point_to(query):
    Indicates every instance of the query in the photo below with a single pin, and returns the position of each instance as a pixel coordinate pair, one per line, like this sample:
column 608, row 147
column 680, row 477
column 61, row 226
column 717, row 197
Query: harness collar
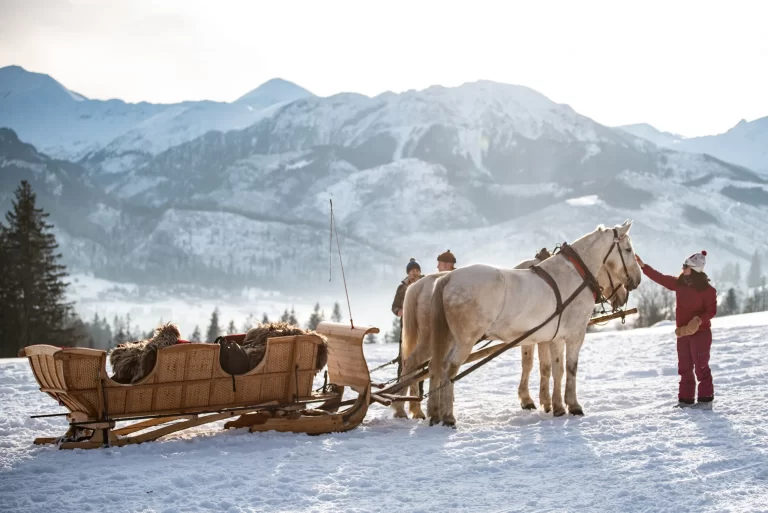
column 581, row 268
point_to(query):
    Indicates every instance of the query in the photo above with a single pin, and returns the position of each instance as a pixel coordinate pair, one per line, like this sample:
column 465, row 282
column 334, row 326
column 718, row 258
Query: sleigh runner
column 187, row 387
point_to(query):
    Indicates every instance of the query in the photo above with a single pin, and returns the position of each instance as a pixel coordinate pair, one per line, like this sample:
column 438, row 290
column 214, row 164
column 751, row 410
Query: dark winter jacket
column 690, row 301
column 397, row 304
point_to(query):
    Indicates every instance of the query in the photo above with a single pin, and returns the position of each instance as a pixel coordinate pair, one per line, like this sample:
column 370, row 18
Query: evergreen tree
column 130, row 333
column 196, row 336
column 9, row 300
column 292, row 320
column 751, row 304
column 231, row 329
column 99, row 331
column 731, row 304
column 79, row 335
column 763, row 295
column 372, row 339
column 336, row 315
column 755, row 273
column 264, row 318
column 33, row 287
column 286, row 316
column 119, row 329
column 316, row 318
column 393, row 335
column 214, row 330
column 248, row 324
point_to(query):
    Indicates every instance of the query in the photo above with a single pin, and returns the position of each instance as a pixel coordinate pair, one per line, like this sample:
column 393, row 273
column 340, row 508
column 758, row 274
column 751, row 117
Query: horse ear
column 624, row 228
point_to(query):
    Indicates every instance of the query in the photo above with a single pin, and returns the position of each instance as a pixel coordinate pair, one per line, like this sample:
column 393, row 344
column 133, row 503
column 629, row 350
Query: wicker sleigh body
column 188, row 388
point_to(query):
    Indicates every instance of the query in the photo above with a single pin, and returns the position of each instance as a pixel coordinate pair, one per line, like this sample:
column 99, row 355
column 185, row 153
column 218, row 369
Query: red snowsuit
column 693, row 350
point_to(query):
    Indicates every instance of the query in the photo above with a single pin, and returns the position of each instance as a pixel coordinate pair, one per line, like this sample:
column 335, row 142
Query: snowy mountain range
column 110, row 136
column 491, row 171
column 746, row 144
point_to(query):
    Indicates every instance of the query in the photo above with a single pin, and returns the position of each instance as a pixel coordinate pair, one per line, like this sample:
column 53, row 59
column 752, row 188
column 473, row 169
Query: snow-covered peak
column 653, row 134
column 746, row 144
column 750, row 128
column 18, row 85
column 274, row 91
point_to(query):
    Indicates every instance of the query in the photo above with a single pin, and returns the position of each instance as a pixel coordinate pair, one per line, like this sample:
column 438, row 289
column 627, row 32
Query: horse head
column 619, row 261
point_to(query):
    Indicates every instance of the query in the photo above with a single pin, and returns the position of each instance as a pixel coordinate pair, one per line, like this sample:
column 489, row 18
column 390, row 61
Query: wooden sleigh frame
column 188, row 388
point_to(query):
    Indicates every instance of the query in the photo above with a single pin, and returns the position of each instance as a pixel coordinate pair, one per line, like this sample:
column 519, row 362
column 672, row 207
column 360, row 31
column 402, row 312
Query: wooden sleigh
column 188, row 388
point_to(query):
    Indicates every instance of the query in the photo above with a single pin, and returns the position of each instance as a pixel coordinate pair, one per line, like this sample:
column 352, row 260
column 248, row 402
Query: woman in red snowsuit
column 696, row 305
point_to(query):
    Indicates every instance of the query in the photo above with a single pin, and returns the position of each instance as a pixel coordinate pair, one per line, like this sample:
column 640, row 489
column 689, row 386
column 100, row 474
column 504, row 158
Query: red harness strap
column 581, row 271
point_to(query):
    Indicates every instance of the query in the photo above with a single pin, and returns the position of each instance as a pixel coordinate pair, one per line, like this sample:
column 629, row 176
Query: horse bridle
column 588, row 279
column 616, row 241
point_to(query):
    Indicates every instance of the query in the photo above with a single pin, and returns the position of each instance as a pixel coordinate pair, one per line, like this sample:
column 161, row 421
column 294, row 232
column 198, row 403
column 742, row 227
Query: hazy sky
column 692, row 67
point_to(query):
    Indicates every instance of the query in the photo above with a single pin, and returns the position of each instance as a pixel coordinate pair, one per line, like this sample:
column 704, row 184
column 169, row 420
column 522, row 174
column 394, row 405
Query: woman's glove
column 689, row 329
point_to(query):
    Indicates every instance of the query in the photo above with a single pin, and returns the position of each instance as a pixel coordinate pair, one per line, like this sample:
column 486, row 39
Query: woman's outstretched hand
column 639, row 261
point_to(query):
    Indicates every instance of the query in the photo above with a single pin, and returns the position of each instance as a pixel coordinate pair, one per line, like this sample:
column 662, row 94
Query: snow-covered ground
column 631, row 452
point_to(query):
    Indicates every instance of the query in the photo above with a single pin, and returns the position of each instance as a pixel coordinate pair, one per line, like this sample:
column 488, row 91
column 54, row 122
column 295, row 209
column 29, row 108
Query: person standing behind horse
column 446, row 262
column 413, row 270
column 696, row 305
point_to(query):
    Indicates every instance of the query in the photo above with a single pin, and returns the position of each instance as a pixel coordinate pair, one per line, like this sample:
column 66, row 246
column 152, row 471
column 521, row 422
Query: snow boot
column 705, row 403
column 683, row 404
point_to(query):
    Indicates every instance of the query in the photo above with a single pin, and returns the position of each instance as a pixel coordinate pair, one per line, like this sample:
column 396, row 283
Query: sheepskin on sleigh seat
column 133, row 361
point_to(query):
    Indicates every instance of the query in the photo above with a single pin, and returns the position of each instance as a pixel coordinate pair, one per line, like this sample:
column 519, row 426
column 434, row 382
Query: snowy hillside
column 631, row 452
column 112, row 136
column 746, row 144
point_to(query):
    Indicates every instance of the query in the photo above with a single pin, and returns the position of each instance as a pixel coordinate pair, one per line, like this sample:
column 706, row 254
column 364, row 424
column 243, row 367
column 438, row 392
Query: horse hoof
column 529, row 406
column 576, row 411
column 547, row 408
column 450, row 424
column 558, row 412
column 434, row 421
column 419, row 416
column 400, row 415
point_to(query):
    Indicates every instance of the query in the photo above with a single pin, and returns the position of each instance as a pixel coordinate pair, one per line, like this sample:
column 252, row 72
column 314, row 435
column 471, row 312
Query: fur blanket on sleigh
column 133, row 361
column 255, row 343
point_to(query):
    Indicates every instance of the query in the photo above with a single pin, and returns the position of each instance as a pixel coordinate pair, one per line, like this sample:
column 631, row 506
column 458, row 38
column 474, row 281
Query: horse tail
column 411, row 319
column 440, row 330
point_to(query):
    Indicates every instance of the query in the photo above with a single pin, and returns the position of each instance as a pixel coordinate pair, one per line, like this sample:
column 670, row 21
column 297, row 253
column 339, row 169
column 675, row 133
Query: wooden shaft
column 616, row 315
column 381, row 400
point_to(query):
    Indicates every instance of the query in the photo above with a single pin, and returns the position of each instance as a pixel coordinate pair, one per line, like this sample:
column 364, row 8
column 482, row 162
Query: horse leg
column 556, row 353
column 571, row 365
column 433, row 401
column 415, row 406
column 522, row 390
column 399, row 406
column 451, row 368
column 545, row 372
column 419, row 355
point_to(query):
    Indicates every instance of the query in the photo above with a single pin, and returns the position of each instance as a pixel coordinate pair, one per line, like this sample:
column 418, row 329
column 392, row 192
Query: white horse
column 505, row 304
column 614, row 292
column 415, row 345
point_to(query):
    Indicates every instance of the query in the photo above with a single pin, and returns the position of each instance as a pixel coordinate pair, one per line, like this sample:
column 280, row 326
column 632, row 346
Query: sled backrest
column 346, row 361
column 70, row 376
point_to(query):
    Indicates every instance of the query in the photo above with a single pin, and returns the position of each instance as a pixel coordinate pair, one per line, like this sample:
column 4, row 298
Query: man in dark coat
column 414, row 274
